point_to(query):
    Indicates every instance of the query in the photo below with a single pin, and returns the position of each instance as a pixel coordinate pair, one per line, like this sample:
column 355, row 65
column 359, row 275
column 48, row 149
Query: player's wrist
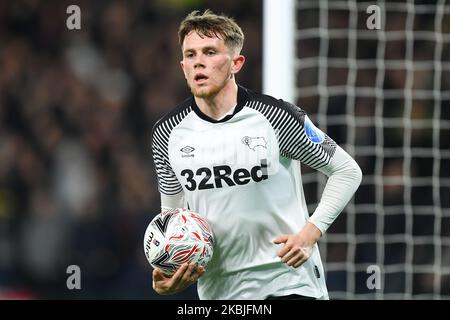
column 310, row 234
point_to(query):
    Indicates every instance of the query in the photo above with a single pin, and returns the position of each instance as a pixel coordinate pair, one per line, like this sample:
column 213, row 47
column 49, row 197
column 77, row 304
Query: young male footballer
column 234, row 156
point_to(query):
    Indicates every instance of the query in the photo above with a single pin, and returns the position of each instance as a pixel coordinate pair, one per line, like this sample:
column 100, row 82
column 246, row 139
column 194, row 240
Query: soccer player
column 233, row 156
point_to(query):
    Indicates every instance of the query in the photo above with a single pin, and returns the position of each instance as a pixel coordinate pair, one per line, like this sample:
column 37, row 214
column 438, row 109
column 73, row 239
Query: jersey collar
column 242, row 98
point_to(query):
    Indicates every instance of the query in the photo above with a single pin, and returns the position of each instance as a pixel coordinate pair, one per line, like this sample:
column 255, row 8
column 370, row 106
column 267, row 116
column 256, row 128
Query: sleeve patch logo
column 314, row 134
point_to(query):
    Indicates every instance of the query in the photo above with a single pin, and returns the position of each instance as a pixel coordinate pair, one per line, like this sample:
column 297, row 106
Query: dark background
column 77, row 183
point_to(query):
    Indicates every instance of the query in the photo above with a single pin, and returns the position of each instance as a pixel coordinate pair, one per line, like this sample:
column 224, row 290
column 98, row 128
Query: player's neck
column 220, row 104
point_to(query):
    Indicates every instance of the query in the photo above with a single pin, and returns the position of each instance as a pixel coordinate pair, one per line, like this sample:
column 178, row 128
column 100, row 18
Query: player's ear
column 238, row 62
column 182, row 67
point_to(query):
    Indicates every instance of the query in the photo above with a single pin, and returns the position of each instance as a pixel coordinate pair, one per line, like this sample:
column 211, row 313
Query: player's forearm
column 344, row 179
column 172, row 201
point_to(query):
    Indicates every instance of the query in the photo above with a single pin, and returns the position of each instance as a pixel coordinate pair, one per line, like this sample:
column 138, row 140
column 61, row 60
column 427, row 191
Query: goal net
column 384, row 96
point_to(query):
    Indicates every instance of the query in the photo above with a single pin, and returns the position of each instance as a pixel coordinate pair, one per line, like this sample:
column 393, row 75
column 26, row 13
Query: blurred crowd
column 77, row 184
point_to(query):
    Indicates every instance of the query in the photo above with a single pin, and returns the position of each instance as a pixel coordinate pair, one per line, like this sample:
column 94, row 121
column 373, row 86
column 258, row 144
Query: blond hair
column 209, row 24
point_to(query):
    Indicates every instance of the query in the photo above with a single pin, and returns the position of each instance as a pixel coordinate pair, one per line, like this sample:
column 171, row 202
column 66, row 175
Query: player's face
column 208, row 64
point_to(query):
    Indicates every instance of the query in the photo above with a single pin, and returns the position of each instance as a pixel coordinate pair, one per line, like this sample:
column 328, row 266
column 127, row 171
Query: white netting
column 384, row 95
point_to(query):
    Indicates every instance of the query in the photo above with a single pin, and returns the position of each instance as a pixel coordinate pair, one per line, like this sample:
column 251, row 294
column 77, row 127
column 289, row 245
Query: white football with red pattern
column 178, row 236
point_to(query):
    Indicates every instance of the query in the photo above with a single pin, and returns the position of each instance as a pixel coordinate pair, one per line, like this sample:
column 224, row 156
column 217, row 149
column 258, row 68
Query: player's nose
column 199, row 61
column 198, row 65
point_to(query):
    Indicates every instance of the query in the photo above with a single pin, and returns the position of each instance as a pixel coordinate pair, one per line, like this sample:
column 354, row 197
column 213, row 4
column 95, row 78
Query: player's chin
column 201, row 93
column 204, row 91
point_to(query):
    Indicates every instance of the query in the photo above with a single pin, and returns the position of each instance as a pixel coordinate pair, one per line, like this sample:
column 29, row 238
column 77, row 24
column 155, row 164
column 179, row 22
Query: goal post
column 278, row 49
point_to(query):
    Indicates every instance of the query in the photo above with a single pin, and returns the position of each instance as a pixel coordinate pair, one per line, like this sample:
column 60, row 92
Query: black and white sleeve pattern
column 298, row 138
column 168, row 183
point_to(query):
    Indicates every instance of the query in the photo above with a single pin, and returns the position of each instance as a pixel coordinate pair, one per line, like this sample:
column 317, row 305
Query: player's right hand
column 186, row 275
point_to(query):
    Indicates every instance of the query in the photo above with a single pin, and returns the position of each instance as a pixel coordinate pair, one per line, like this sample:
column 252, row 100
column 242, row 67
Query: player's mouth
column 200, row 78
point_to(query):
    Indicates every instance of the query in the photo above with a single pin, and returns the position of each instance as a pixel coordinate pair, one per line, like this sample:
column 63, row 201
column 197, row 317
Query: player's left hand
column 298, row 247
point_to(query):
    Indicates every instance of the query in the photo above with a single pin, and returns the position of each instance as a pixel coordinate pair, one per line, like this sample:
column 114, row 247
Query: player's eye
column 211, row 52
column 189, row 55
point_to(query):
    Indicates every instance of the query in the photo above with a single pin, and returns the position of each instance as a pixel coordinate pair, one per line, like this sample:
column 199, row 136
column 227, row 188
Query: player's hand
column 186, row 275
column 298, row 247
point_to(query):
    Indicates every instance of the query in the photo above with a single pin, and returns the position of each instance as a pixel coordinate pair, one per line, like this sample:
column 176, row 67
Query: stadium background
column 77, row 185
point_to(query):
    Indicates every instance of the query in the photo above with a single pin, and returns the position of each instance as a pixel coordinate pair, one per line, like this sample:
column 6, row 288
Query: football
column 178, row 236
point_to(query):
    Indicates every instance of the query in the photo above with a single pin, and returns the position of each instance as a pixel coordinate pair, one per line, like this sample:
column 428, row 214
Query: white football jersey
column 242, row 173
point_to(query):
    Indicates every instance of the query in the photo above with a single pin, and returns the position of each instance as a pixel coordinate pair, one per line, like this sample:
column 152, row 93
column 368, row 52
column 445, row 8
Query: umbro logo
column 187, row 151
column 253, row 142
